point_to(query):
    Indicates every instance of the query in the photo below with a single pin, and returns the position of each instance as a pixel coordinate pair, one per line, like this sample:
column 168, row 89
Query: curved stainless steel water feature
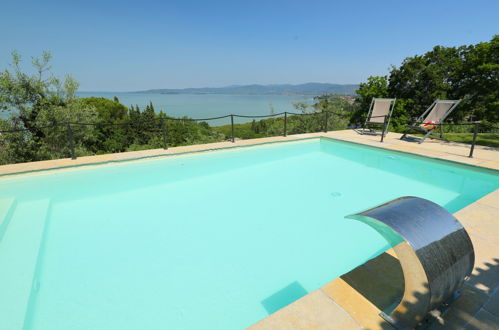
column 433, row 248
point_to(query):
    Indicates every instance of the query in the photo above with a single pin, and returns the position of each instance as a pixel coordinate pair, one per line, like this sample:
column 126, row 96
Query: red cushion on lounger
column 430, row 125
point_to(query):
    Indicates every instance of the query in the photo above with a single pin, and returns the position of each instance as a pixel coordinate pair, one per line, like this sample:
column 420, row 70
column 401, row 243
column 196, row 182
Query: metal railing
column 475, row 134
column 164, row 127
column 477, row 126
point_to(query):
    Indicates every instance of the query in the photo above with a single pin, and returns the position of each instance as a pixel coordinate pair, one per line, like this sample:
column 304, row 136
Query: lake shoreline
column 208, row 105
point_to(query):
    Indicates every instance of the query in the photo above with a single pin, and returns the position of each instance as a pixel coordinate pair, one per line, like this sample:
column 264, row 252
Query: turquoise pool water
column 214, row 240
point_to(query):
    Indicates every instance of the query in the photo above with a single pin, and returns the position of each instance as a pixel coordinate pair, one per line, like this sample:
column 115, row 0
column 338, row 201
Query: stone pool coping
column 486, row 157
column 343, row 303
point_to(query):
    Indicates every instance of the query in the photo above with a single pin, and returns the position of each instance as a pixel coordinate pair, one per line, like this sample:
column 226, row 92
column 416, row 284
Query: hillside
column 284, row 89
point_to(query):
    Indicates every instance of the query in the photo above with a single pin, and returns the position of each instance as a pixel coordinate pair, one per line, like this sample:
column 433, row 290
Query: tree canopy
column 469, row 73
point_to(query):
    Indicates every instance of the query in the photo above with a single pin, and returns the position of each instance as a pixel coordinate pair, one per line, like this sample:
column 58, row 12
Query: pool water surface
column 215, row 240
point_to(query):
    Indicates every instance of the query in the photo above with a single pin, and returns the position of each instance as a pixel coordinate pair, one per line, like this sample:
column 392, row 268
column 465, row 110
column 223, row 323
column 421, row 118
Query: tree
column 110, row 136
column 374, row 87
column 38, row 104
column 469, row 73
column 478, row 81
column 303, row 107
column 25, row 96
column 55, row 143
column 422, row 79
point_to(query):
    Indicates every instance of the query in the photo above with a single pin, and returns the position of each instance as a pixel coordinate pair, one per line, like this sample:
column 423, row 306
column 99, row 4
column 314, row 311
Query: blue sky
column 134, row 45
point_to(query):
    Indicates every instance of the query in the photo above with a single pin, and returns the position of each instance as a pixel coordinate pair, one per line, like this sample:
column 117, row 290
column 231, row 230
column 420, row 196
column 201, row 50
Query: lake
column 208, row 105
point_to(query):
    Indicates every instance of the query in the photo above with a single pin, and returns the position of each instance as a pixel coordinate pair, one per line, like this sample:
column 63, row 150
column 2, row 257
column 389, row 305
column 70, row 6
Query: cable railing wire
column 476, row 127
column 170, row 118
column 163, row 127
column 260, row 116
column 162, row 121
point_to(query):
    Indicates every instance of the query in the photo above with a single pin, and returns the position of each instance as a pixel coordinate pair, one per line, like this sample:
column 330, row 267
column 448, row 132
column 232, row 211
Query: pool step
column 6, row 210
column 18, row 257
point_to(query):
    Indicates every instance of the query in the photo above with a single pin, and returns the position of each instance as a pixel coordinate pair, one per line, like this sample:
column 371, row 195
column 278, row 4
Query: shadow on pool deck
column 381, row 282
column 378, row 286
column 474, row 309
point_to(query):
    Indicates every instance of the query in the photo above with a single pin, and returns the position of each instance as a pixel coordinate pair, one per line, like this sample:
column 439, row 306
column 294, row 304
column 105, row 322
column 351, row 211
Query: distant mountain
column 284, row 89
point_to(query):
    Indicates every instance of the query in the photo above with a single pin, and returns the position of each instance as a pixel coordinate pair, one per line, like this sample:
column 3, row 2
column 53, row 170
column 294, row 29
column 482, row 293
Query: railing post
column 164, row 130
column 475, row 132
column 71, row 142
column 325, row 124
column 285, row 123
column 232, row 125
column 384, row 129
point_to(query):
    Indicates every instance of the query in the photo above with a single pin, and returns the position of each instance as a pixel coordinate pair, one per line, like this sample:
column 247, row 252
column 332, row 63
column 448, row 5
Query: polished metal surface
column 433, row 248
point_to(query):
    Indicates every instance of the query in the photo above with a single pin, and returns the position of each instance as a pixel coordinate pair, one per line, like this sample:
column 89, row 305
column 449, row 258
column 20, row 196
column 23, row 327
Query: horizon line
column 219, row 87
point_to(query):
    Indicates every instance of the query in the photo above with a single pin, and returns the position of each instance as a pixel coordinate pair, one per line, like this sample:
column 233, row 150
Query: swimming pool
column 215, row 240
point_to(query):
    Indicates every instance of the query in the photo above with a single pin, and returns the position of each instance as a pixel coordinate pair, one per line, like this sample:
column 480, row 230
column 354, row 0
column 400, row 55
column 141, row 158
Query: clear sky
column 133, row 45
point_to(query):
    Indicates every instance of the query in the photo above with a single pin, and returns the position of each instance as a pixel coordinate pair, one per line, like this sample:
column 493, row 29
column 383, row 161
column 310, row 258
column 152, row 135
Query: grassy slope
column 484, row 139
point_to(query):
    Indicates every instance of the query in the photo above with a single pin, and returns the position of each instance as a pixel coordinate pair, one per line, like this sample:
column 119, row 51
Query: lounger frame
column 369, row 119
column 423, row 118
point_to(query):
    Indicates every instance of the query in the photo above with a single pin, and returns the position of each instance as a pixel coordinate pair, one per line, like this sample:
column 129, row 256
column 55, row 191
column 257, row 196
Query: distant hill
column 284, row 89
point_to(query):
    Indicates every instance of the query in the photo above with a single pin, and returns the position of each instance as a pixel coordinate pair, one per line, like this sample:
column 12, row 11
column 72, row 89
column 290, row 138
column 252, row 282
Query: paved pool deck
column 483, row 156
column 354, row 300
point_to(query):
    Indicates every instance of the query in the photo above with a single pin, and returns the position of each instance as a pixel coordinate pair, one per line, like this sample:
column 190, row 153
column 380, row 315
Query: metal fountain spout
column 434, row 250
